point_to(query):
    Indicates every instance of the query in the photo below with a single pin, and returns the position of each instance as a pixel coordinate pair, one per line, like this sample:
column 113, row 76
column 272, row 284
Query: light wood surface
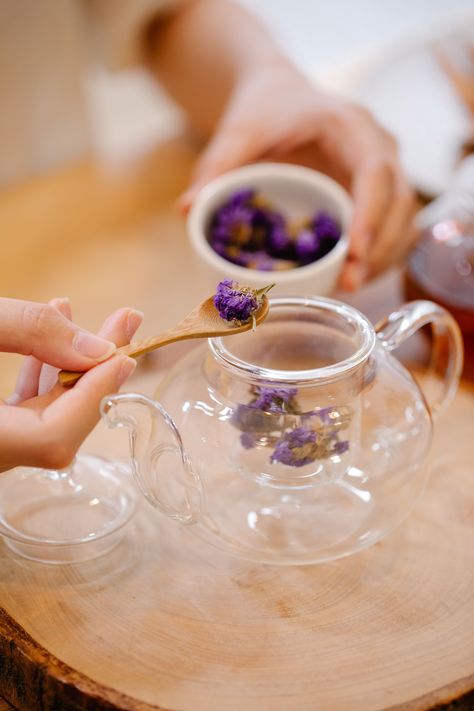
column 166, row 622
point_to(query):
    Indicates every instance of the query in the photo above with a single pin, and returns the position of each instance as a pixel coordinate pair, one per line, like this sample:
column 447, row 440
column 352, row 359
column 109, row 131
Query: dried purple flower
column 326, row 227
column 273, row 410
column 241, row 197
column 248, row 231
column 258, row 417
column 296, row 448
column 260, row 260
column 237, row 303
column 279, row 243
column 247, row 440
column 233, row 225
column 341, row 446
column 277, row 400
column 324, row 414
column 307, row 245
column 249, row 418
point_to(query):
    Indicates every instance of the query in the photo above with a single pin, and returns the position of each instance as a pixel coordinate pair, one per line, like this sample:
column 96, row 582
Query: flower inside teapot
column 303, row 441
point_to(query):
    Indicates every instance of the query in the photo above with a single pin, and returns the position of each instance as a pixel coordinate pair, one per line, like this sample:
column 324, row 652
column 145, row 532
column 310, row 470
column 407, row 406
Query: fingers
column 55, row 434
column 121, row 326
column 32, row 372
column 118, row 328
column 396, row 231
column 35, row 378
column 49, row 373
column 372, row 191
column 27, row 382
column 381, row 225
column 76, row 412
column 40, row 330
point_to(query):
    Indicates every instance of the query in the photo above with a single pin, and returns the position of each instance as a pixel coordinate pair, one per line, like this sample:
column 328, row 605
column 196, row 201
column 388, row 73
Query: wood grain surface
column 164, row 622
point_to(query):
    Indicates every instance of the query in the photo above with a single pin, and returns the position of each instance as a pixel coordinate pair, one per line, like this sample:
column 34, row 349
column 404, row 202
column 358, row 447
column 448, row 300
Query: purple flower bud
column 326, row 227
column 246, row 230
column 248, row 418
column 276, row 400
column 324, row 414
column 260, row 260
column 341, row 446
column 307, row 244
column 233, row 225
column 279, row 243
column 247, row 440
column 235, row 303
column 241, row 197
column 296, row 448
column 220, row 248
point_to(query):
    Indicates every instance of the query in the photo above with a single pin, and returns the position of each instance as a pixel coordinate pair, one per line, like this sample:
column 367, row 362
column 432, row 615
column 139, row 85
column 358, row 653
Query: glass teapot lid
column 66, row 516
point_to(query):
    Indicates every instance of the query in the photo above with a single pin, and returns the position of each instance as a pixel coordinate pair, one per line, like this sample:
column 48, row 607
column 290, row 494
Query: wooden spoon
column 203, row 322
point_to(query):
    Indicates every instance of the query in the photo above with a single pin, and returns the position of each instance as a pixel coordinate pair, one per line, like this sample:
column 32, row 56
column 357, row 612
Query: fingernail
column 127, row 368
column 134, row 320
column 92, row 346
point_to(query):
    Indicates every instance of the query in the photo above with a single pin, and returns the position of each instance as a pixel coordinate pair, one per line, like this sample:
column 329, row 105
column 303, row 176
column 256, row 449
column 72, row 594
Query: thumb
column 41, row 330
column 230, row 147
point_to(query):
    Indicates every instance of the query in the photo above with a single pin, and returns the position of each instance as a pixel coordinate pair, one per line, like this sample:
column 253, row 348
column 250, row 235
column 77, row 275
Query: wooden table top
column 166, row 624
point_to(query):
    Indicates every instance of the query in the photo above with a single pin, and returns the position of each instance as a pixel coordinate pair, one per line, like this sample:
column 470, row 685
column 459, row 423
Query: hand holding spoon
column 203, row 322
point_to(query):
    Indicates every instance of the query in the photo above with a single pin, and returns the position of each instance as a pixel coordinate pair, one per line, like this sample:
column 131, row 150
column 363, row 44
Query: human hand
column 275, row 113
column 43, row 424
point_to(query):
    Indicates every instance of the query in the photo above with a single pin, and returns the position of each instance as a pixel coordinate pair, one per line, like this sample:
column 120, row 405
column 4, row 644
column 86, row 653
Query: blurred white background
column 323, row 34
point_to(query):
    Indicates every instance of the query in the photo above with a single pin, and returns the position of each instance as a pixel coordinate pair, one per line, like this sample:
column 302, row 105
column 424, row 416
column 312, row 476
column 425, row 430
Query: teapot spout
column 158, row 459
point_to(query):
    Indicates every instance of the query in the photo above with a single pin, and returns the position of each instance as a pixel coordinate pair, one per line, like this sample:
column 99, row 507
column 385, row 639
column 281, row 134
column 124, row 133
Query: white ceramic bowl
column 298, row 192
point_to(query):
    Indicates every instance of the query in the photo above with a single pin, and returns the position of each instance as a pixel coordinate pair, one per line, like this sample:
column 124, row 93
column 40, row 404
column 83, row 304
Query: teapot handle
column 153, row 435
column 447, row 347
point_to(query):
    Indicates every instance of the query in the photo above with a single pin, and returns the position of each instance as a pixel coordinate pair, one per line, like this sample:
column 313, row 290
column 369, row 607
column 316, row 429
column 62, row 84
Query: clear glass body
column 301, row 442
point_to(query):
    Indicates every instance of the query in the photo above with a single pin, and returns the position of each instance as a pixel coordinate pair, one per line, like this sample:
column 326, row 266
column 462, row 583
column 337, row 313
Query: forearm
column 202, row 52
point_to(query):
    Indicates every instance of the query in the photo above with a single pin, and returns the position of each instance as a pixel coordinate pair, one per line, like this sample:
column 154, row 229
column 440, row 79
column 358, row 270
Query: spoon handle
column 138, row 348
column 133, row 350
column 203, row 322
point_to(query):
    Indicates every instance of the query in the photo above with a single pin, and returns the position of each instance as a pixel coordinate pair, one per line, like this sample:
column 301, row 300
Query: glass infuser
column 301, row 442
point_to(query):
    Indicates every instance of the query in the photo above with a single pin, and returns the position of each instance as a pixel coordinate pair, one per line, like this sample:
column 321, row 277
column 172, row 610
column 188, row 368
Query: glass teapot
column 302, row 441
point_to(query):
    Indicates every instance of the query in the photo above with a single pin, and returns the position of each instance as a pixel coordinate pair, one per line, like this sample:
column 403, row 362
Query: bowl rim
column 224, row 182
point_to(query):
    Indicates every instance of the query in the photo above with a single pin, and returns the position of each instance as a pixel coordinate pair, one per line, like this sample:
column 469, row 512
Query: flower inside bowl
column 296, row 195
column 248, row 230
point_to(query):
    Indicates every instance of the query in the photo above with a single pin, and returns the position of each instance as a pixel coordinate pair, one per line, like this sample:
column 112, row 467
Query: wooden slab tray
column 165, row 622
